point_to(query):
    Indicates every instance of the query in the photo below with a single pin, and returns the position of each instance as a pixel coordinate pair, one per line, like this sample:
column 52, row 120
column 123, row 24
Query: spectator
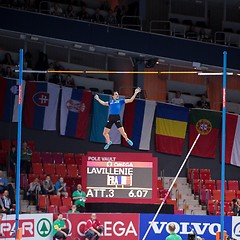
column 69, row 82
column 26, row 154
column 203, row 103
column 235, row 207
column 56, row 10
column 2, row 70
column 8, row 59
column 60, row 187
column 83, row 14
column 105, row 6
column 47, row 186
column 12, row 161
column 79, row 198
column 33, row 191
column 28, row 59
column 70, row 12
column 97, row 17
column 177, row 100
column 173, row 235
column 1, row 232
column 60, row 231
column 3, row 182
column 6, row 203
column 42, row 65
column 9, row 73
column 191, row 33
column 111, row 18
column 73, row 209
column 93, row 228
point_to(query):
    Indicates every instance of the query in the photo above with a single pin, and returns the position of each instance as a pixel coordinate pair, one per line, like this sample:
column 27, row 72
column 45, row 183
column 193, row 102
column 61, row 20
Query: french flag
column 138, row 122
column 9, row 99
column 75, row 109
column 40, row 105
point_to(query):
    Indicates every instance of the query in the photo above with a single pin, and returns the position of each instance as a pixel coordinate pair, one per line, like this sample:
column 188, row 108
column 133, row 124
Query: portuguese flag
column 207, row 123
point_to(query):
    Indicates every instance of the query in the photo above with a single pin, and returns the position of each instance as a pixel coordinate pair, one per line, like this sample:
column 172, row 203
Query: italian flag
column 232, row 139
column 207, row 123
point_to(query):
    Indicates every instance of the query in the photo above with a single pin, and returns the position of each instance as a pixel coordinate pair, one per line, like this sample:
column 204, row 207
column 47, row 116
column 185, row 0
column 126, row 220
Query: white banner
column 34, row 226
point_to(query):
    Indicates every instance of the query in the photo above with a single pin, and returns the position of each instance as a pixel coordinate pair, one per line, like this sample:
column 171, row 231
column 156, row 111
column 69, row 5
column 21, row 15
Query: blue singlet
column 115, row 106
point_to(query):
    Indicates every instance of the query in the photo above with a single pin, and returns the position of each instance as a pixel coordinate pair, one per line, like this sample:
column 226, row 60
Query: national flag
column 171, row 126
column 207, row 123
column 124, row 180
column 138, row 121
column 9, row 90
column 99, row 120
column 40, row 105
column 75, row 109
column 232, row 139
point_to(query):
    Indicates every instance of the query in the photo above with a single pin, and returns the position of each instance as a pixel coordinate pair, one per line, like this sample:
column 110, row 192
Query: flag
column 99, row 120
column 232, row 139
column 171, row 126
column 75, row 109
column 9, row 99
column 40, row 105
column 138, row 121
column 125, row 180
column 207, row 123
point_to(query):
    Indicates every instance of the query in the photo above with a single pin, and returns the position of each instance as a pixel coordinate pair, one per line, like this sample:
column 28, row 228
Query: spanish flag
column 171, row 126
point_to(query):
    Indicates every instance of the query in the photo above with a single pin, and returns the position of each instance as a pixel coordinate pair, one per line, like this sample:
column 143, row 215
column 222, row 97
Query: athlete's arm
column 100, row 101
column 137, row 90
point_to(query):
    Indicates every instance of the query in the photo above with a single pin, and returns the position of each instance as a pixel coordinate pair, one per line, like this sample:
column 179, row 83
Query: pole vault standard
column 170, row 188
column 20, row 100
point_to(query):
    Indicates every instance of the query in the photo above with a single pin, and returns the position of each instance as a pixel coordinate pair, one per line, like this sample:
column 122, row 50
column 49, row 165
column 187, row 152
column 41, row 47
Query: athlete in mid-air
column 115, row 106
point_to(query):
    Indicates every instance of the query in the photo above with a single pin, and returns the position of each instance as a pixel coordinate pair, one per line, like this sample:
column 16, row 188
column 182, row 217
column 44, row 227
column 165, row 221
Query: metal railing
column 132, row 22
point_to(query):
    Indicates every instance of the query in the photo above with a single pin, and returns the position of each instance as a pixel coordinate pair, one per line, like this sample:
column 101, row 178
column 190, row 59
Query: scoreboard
column 120, row 178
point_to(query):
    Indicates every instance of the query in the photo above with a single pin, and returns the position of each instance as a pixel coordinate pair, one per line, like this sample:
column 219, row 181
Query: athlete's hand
column 96, row 97
column 137, row 90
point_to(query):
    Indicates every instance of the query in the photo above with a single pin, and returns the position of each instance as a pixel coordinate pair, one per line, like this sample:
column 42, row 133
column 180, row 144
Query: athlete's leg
column 106, row 134
column 123, row 133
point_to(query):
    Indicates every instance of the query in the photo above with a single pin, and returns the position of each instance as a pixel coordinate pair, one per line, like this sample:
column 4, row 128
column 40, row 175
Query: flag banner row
column 40, row 108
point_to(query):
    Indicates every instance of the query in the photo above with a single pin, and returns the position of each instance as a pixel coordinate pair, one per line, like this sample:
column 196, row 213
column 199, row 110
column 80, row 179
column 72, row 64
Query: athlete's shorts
column 113, row 118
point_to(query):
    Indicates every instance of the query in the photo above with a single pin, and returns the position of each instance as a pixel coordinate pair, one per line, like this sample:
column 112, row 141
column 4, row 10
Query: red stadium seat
column 64, row 209
column 57, row 157
column 233, row 185
column 31, row 145
column 229, row 195
column 193, row 174
column 211, row 207
column 61, row 169
column 36, row 157
column 3, row 157
column 204, row 174
column 6, row 144
column 210, row 184
column 67, row 202
column 54, row 178
column 78, row 158
column 69, row 158
column 196, row 186
column 55, row 200
column 37, row 168
column 219, row 183
column 52, row 209
column 47, row 157
column 43, row 202
column 32, row 176
column 216, row 195
column 49, row 168
column 72, row 170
